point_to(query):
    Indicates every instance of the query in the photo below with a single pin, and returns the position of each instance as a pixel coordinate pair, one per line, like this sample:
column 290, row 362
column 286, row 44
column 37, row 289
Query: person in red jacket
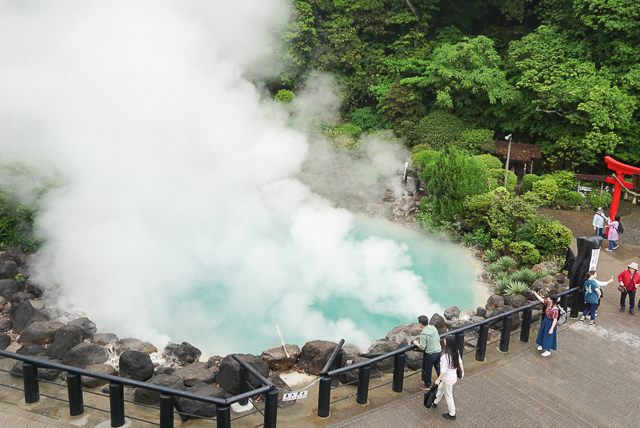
column 628, row 283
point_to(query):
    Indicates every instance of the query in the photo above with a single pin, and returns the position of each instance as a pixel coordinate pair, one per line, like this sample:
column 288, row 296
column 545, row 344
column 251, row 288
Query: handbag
column 430, row 396
column 622, row 288
column 459, row 372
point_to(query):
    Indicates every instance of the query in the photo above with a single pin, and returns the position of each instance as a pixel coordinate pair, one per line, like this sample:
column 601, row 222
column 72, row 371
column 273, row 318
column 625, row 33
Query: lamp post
column 506, row 168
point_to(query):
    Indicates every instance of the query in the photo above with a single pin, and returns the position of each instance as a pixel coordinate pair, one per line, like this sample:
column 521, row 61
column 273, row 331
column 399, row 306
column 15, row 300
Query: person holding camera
column 627, row 285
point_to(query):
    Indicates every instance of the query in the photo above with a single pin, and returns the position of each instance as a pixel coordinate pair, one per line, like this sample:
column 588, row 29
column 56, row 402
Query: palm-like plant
column 516, row 288
column 507, row 263
column 468, row 239
column 491, row 256
column 493, row 270
column 525, row 275
column 502, row 285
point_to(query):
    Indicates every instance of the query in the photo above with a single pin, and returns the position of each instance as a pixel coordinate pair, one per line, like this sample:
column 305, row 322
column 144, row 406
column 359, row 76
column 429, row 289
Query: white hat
column 633, row 265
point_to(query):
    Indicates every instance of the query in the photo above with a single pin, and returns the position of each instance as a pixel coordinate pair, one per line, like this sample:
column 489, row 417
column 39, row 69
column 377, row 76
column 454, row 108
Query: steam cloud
column 181, row 216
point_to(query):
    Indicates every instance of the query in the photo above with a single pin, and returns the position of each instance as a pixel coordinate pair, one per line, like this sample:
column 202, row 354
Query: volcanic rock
column 452, row 313
column 404, row 334
column 24, row 314
column 104, row 339
column 8, row 269
column 277, row 359
column 88, row 327
column 152, row 398
column 132, row 344
column 315, row 355
column 136, row 365
column 228, row 375
column 183, row 354
column 92, row 382
column 85, row 354
column 200, row 408
column 66, row 338
column 40, row 333
column 196, row 372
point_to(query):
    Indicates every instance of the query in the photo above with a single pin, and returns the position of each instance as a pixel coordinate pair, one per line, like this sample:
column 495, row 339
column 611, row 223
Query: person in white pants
column 450, row 362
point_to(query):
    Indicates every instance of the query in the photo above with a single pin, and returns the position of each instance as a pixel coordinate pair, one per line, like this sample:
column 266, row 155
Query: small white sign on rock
column 296, row 395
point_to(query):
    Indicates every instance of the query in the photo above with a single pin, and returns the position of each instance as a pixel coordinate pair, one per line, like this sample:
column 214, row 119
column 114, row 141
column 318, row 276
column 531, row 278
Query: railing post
column 398, row 372
column 223, row 417
column 526, row 325
column 243, row 377
column 324, row 396
column 31, row 387
column 460, row 342
column 166, row 411
column 575, row 303
column 363, row 384
column 506, row 333
column 74, row 390
column 483, row 335
column 336, row 365
column 271, row 409
column 116, row 402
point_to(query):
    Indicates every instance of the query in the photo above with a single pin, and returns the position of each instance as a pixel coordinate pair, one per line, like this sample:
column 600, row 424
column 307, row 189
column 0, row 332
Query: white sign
column 296, row 395
column 583, row 190
column 595, row 255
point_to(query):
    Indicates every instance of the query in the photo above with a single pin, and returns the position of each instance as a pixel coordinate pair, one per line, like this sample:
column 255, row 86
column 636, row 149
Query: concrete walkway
column 12, row 416
column 593, row 380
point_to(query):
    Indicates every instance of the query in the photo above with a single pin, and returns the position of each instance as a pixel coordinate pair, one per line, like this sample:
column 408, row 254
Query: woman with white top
column 600, row 285
column 450, row 361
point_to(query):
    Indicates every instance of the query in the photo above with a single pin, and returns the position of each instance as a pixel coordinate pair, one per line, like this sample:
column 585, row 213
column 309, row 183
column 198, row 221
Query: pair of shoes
column 539, row 348
column 631, row 312
column 434, row 405
column 581, row 320
column 448, row 416
column 608, row 249
column 616, row 247
column 546, row 353
column 425, row 387
column 621, row 309
column 592, row 323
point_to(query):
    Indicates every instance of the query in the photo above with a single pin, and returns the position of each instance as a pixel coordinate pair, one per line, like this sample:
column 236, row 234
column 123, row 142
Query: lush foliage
column 16, row 223
column 548, row 236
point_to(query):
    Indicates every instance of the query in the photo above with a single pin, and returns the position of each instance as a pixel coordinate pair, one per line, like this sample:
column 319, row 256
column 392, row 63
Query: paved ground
column 592, row 380
column 13, row 417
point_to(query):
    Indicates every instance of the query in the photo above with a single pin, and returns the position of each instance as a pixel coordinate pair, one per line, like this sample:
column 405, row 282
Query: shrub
column 285, row 96
column 419, row 148
column 483, row 239
column 349, row 129
column 477, row 140
column 526, row 252
column 454, row 178
column 490, row 161
column 568, row 199
column 498, row 176
column 423, row 161
column 16, row 223
column 491, row 256
column 366, row 118
column 565, row 180
column 527, row 182
column 516, row 288
column 546, row 190
column 439, row 129
column 595, row 200
column 547, row 235
column 507, row 263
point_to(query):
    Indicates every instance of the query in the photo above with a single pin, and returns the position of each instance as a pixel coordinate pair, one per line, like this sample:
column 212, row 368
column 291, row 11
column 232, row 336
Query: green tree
column 455, row 177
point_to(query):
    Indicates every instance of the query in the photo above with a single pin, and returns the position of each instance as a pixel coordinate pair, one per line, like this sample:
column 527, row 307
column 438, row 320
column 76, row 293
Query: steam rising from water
column 181, row 209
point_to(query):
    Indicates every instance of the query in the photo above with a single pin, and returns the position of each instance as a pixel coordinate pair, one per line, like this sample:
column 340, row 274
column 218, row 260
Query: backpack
column 620, row 228
column 562, row 316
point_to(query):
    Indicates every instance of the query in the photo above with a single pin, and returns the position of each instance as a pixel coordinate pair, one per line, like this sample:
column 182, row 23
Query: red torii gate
column 621, row 170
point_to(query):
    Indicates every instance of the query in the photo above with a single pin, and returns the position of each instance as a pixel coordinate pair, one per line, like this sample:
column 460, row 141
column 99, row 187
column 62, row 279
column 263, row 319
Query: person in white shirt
column 450, row 362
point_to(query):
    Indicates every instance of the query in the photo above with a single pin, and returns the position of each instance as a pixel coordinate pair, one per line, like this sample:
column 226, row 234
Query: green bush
column 419, row 148
column 493, row 269
column 565, row 180
column 348, row 129
column 423, row 162
column 490, row 161
column 366, row 118
column 595, row 200
column 468, row 239
column 498, row 176
column 476, row 140
column 501, row 285
column 16, row 223
column 549, row 237
column 439, row 129
column 526, row 252
column 483, row 239
column 285, row 96
column 527, row 182
column 546, row 190
column 568, row 199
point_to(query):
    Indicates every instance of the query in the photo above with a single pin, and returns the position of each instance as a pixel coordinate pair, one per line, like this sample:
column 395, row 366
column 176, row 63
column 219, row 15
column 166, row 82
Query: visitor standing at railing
column 450, row 362
column 429, row 342
column 592, row 294
column 600, row 285
column 627, row 284
column 598, row 221
column 547, row 339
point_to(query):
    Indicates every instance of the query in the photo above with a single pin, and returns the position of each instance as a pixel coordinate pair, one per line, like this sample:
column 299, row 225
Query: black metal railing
column 329, row 377
column 169, row 406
